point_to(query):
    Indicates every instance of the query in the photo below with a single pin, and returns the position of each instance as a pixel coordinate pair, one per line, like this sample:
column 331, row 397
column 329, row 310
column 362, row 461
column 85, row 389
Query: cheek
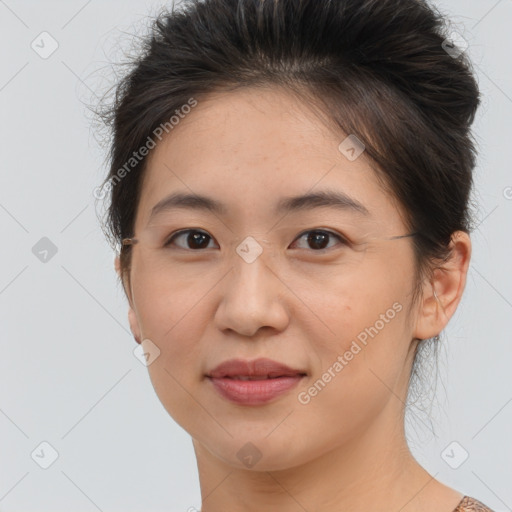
column 164, row 302
column 176, row 327
column 366, row 347
column 354, row 383
column 369, row 303
column 173, row 318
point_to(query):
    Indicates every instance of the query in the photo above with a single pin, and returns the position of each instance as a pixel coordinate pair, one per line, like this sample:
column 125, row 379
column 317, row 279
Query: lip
column 230, row 380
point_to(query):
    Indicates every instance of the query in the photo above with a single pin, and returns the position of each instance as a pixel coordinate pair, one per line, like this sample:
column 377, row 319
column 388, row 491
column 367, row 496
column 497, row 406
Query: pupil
column 195, row 240
column 316, row 238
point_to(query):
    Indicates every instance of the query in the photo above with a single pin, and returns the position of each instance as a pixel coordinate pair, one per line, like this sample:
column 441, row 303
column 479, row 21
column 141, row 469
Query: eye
column 318, row 238
column 194, row 239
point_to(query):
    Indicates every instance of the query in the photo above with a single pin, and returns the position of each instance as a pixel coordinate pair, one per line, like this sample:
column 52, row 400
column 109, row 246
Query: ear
column 134, row 325
column 132, row 317
column 117, row 265
column 442, row 294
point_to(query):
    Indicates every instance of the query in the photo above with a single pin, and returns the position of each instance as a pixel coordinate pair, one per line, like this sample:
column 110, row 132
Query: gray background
column 69, row 376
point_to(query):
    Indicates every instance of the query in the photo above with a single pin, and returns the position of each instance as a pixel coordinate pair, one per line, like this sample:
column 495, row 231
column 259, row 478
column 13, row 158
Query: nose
column 253, row 297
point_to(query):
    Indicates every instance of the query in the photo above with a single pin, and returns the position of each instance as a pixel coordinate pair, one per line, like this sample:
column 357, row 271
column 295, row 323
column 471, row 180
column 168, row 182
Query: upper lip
column 256, row 368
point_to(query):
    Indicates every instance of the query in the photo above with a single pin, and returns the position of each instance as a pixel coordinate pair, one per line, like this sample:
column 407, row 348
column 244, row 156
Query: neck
column 374, row 470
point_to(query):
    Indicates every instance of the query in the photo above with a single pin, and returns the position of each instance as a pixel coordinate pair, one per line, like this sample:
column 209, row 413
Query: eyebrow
column 323, row 198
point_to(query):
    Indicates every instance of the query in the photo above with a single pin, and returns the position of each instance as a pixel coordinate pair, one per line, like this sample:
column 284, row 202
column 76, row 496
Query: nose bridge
column 252, row 277
column 251, row 293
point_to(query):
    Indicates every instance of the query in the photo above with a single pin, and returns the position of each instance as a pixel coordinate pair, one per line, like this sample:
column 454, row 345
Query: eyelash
column 179, row 233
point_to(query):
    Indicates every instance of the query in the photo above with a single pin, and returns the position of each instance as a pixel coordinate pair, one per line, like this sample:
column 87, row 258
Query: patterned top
column 468, row 504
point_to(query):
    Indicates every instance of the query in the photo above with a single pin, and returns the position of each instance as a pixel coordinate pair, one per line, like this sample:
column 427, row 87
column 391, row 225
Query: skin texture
column 346, row 448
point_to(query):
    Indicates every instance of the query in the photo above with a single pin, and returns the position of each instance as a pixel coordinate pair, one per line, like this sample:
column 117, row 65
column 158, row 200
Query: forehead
column 251, row 149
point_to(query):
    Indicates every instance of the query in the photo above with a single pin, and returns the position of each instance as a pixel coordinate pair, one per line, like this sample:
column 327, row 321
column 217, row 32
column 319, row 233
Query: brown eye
column 194, row 239
column 318, row 239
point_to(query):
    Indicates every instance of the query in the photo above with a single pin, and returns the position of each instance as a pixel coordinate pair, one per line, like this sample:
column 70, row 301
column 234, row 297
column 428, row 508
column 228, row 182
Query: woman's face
column 337, row 312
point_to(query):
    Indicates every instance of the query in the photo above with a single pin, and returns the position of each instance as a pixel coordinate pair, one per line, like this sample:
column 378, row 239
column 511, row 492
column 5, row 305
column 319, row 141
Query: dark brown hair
column 375, row 68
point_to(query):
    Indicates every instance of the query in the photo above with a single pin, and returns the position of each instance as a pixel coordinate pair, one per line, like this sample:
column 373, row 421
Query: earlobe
column 443, row 293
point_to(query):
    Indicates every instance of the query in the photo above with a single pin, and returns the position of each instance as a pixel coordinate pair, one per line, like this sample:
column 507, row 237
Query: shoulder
column 469, row 504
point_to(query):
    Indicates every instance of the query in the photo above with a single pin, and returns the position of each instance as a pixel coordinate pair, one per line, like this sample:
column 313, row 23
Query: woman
column 290, row 182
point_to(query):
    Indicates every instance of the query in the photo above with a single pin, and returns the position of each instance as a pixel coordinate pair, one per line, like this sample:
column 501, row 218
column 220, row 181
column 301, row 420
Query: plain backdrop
column 69, row 378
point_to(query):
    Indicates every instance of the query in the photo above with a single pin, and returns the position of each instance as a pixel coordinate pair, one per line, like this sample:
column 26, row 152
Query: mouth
column 257, row 369
column 254, row 382
column 262, row 377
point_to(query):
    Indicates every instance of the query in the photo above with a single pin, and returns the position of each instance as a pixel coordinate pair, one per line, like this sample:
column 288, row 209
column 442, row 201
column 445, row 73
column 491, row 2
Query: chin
column 256, row 451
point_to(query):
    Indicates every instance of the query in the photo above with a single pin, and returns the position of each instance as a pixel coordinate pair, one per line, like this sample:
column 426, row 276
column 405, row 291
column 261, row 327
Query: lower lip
column 254, row 392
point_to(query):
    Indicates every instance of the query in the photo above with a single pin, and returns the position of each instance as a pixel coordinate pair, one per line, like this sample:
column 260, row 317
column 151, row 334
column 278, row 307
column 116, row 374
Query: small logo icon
column 249, row 249
column 44, row 250
column 455, row 45
column 351, row 148
column 99, row 193
column 44, row 45
column 146, row 352
column 249, row 455
column 454, row 455
column 45, row 455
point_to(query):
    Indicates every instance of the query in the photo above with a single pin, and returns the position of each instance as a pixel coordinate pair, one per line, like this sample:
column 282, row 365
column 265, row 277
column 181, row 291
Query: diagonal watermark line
column 13, row 279
column 389, row 389
column 13, row 13
column 167, row 332
column 198, row 402
column 104, row 395
column 287, row 491
column 491, row 419
column 497, row 291
column 487, row 14
column 195, row 194
column 327, row 327
column 96, row 300
column 14, row 485
column 13, row 217
column 14, row 423
column 493, row 82
column 14, row 76
column 214, row 489
column 74, row 218
column 506, row 505
column 400, row 399
column 280, row 423
column 288, row 213
column 488, row 215
column 76, row 14
column 79, row 79
column 432, row 478
column 81, row 491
